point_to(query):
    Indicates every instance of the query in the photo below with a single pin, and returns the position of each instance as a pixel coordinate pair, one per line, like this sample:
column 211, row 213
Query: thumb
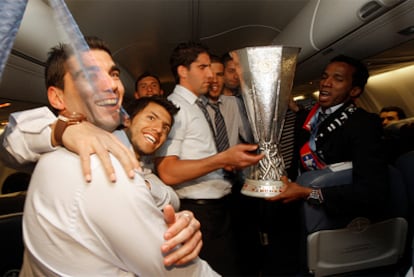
column 285, row 180
column 169, row 215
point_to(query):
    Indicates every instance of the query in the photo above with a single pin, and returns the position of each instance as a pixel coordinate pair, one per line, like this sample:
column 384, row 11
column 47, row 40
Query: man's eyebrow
column 115, row 68
column 93, row 68
column 203, row 65
column 157, row 116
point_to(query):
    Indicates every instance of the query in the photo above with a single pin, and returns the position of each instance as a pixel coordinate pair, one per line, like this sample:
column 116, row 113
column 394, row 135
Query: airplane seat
column 11, row 244
column 398, row 204
column 399, row 138
column 12, row 202
column 363, row 246
column 17, row 181
column 405, row 164
column 11, row 237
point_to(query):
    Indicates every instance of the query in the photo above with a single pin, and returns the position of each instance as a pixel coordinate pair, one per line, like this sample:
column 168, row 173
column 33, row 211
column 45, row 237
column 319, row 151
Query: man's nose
column 209, row 73
column 157, row 126
column 113, row 85
column 327, row 82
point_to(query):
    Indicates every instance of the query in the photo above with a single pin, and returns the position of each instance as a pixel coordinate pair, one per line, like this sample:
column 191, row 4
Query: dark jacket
column 357, row 140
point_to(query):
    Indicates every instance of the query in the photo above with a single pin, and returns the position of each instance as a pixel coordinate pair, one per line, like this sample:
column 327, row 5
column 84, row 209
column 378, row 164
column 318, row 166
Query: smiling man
column 152, row 119
column 72, row 227
column 147, row 84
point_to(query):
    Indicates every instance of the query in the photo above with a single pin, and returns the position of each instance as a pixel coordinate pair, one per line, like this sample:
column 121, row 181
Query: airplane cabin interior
column 142, row 34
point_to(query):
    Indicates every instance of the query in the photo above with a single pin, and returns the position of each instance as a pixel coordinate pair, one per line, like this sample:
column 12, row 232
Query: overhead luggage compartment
column 350, row 26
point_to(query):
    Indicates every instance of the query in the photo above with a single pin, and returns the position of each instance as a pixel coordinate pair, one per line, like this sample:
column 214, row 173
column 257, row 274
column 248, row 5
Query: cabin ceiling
column 142, row 34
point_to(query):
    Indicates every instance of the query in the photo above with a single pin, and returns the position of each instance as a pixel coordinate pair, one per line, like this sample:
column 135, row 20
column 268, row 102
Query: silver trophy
column 266, row 78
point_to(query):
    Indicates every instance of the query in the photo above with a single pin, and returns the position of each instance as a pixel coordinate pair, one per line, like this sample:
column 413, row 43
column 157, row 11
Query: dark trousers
column 267, row 235
column 219, row 248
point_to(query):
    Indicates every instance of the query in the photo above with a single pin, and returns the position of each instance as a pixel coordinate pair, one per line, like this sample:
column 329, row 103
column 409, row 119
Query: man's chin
column 146, row 151
column 108, row 124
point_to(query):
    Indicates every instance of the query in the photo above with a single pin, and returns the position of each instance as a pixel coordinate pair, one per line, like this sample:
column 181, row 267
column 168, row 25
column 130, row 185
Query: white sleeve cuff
column 28, row 134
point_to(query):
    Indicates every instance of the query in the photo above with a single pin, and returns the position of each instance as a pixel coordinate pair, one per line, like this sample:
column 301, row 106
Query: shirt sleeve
column 26, row 137
column 162, row 193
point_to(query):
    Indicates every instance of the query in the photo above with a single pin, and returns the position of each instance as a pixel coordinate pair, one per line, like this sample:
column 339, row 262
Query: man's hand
column 241, row 156
column 86, row 139
column 183, row 231
column 290, row 192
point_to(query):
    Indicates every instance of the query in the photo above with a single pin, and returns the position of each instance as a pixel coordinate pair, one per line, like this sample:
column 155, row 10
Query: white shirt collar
column 332, row 109
column 186, row 94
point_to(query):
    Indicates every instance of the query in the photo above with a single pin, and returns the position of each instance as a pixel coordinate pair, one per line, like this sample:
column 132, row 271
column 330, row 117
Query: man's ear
column 136, row 95
column 182, row 71
column 55, row 96
column 355, row 92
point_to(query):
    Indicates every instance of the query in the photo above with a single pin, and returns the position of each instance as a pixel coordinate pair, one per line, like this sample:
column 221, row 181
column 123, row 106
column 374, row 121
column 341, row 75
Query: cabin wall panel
column 395, row 88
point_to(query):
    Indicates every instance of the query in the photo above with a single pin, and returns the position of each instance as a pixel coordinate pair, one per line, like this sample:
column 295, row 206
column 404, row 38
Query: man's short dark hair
column 215, row 59
column 55, row 64
column 226, row 58
column 144, row 75
column 361, row 74
column 185, row 54
column 137, row 105
column 400, row 112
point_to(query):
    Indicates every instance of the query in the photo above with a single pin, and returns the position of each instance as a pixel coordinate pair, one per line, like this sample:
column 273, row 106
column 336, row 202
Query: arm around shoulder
column 26, row 137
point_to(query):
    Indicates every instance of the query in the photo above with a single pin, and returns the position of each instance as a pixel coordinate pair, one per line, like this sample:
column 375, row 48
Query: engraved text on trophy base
column 262, row 188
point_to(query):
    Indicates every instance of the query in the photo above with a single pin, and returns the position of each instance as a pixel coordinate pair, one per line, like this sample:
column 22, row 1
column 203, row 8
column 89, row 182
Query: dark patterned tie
column 222, row 141
column 321, row 117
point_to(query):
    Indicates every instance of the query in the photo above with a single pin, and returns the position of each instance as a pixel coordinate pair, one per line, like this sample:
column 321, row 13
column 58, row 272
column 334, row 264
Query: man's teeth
column 105, row 102
column 150, row 138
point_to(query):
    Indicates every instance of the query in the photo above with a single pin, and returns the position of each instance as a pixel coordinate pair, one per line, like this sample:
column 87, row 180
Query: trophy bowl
column 266, row 78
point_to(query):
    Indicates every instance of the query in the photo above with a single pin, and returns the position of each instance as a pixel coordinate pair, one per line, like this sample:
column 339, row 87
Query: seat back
column 12, row 202
column 11, row 244
column 363, row 245
column 405, row 164
column 359, row 246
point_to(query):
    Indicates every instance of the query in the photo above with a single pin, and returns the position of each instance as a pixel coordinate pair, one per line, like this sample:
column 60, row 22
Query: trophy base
column 261, row 188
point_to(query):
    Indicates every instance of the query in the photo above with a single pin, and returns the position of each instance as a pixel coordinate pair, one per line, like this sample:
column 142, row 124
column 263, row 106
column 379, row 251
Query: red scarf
column 308, row 158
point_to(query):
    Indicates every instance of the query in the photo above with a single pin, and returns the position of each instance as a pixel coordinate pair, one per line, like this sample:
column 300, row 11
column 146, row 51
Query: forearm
column 174, row 171
column 26, row 137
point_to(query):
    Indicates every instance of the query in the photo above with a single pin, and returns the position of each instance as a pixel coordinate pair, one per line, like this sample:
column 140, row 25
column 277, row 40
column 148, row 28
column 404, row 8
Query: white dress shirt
column 191, row 139
column 74, row 228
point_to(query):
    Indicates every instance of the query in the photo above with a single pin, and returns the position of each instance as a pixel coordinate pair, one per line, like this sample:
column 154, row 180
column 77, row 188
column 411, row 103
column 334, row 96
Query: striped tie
column 222, row 141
